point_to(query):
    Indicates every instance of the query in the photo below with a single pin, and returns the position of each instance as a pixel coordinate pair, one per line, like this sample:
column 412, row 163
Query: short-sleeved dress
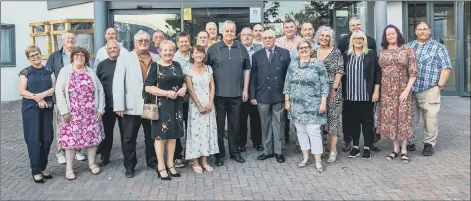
column 395, row 117
column 202, row 134
column 170, row 123
column 333, row 63
column 83, row 130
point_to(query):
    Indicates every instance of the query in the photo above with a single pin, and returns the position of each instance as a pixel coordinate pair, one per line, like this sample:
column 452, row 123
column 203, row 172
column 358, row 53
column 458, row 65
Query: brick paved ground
column 445, row 176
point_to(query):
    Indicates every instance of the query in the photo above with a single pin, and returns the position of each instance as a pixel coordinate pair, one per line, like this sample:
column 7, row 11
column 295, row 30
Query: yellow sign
column 186, row 13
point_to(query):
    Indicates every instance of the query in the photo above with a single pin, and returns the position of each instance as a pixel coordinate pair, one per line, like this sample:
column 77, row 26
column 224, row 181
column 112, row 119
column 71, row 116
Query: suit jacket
column 128, row 84
column 344, row 42
column 267, row 79
column 54, row 62
column 371, row 72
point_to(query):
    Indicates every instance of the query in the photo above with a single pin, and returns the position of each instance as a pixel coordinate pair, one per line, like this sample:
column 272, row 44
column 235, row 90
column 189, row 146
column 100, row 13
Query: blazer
column 371, row 70
column 54, row 62
column 344, row 42
column 128, row 84
column 62, row 92
column 267, row 79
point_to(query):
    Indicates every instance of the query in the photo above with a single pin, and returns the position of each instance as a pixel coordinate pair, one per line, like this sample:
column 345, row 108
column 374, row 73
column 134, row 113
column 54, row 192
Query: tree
column 271, row 12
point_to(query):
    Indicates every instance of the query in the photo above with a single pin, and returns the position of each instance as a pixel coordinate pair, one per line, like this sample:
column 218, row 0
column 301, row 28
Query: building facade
column 450, row 21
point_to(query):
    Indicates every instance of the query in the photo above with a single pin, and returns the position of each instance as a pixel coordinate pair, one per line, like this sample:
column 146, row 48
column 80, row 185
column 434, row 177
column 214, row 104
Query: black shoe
column 280, row 158
column 219, row 161
column 47, row 176
column 104, row 163
column 129, row 173
column 374, row 148
column 347, row 147
column 160, row 176
column 258, row 147
column 428, row 150
column 354, row 153
column 38, row 181
column 172, row 174
column 410, row 147
column 264, row 157
column 366, row 154
column 238, row 159
column 241, row 149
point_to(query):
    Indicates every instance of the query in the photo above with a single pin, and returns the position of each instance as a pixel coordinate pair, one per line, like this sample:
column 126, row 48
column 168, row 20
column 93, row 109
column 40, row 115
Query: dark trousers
column 231, row 107
column 109, row 120
column 131, row 125
column 38, row 134
column 358, row 118
column 247, row 109
column 178, row 154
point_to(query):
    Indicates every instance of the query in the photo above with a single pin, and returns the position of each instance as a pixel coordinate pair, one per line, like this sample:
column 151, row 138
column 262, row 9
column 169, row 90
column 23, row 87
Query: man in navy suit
column 246, row 38
column 267, row 78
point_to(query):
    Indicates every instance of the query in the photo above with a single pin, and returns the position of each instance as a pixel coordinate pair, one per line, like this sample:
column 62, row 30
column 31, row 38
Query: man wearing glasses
column 157, row 38
column 128, row 100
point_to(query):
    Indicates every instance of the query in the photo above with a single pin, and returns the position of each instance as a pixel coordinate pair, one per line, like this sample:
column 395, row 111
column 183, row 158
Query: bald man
column 102, row 53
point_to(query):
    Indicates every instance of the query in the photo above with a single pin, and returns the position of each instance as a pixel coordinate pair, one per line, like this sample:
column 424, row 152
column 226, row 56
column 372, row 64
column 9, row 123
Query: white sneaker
column 61, row 159
column 79, row 156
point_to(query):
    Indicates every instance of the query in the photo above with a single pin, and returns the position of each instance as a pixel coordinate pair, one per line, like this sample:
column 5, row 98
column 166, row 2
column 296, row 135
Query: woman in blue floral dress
column 306, row 90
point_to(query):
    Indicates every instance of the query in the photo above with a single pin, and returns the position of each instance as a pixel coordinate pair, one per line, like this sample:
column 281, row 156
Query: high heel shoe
column 171, row 174
column 160, row 176
column 38, row 181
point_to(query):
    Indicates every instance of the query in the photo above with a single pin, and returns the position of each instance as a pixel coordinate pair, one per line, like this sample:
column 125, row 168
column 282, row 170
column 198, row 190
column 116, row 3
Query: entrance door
column 129, row 22
column 201, row 16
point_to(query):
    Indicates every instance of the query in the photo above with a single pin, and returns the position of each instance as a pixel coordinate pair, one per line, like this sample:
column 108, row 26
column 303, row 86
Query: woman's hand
column 181, row 92
column 375, row 97
column 38, row 97
column 202, row 109
column 287, row 106
column 404, row 95
column 172, row 95
column 66, row 118
column 209, row 107
column 332, row 96
column 42, row 104
column 323, row 107
column 98, row 116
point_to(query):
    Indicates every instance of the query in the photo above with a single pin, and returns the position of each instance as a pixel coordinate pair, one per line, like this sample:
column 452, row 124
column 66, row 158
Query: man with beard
column 128, row 100
column 231, row 66
column 257, row 34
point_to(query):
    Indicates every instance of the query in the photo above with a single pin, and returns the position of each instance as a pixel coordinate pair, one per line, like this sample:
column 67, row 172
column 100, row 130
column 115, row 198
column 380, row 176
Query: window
column 8, row 45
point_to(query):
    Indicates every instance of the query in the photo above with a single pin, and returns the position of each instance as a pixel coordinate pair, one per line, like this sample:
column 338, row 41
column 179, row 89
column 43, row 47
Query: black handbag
column 49, row 104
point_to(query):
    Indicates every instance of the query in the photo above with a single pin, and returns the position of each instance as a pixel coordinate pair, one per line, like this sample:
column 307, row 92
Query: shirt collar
column 250, row 48
column 179, row 54
column 234, row 44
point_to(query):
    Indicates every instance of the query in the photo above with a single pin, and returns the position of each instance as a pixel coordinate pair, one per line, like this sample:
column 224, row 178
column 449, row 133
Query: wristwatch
column 441, row 87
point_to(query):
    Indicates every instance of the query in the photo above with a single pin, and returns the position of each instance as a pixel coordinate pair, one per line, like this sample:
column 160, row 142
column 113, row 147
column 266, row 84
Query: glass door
column 467, row 63
column 201, row 16
column 129, row 22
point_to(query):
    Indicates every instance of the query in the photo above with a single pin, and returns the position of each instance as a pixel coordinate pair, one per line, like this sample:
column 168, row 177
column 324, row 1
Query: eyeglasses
column 267, row 37
column 304, row 48
column 424, row 29
column 358, row 38
column 245, row 35
column 79, row 55
column 34, row 55
column 143, row 41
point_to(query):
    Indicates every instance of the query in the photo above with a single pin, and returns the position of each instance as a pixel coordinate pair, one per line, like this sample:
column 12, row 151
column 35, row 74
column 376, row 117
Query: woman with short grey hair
column 333, row 62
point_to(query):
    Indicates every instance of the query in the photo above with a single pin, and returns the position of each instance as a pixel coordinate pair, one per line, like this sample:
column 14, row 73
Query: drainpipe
column 381, row 20
column 100, row 18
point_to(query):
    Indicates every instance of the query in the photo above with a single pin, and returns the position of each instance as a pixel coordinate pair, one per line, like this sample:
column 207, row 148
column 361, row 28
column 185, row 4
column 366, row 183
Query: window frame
column 11, row 27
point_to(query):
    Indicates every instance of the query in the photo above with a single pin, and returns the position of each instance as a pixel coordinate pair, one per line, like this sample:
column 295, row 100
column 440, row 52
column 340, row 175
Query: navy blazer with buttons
column 268, row 78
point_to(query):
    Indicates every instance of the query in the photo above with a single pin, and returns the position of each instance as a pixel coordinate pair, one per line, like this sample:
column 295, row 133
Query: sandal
column 198, row 169
column 391, row 156
column 94, row 169
column 208, row 168
column 304, row 164
column 405, row 159
column 332, row 157
column 69, row 174
column 319, row 167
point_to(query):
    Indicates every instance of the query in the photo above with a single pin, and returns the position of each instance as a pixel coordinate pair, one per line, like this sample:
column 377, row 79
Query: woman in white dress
column 202, row 138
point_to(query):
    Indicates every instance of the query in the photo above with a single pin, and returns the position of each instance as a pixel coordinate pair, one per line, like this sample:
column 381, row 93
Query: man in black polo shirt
column 231, row 70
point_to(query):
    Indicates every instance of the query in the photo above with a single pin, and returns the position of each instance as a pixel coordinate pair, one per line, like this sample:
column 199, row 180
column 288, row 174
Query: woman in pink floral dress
column 81, row 103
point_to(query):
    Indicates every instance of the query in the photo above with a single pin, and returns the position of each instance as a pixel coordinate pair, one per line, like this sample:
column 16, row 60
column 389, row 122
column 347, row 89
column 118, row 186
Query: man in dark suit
column 246, row 38
column 355, row 24
column 267, row 79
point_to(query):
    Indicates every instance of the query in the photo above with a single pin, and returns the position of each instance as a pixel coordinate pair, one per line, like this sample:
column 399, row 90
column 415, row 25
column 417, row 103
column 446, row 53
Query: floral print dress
column 395, row 117
column 83, row 130
column 202, row 135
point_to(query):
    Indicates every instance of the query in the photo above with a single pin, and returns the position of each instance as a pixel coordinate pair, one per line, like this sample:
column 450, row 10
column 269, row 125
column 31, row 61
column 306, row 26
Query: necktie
column 270, row 55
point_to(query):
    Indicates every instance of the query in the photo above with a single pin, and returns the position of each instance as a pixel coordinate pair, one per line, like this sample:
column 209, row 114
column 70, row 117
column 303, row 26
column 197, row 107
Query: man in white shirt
column 102, row 54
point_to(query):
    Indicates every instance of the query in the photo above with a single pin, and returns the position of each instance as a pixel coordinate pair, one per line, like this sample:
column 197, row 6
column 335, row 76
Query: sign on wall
column 255, row 15
column 186, row 13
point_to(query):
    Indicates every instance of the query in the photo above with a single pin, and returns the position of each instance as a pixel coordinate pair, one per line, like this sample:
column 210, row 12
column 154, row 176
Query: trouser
column 229, row 106
column 272, row 117
column 109, row 120
column 57, row 127
column 131, row 125
column 247, row 109
column 38, row 134
column 427, row 104
column 358, row 119
column 309, row 137
column 178, row 154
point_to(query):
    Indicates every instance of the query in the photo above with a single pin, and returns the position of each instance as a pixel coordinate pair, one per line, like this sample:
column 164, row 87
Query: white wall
column 395, row 14
column 36, row 12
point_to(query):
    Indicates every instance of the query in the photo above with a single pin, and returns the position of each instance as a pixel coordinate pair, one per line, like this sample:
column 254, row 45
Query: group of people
column 308, row 80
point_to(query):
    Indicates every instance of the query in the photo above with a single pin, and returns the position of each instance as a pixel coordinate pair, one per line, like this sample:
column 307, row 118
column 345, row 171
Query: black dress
column 170, row 123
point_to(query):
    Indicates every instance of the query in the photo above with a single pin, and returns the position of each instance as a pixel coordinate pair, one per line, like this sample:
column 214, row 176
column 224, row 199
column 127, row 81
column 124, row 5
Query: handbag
column 151, row 110
column 49, row 105
column 376, row 135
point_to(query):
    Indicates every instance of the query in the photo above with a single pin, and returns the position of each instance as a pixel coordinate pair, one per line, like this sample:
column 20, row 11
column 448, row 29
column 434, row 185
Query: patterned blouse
column 306, row 84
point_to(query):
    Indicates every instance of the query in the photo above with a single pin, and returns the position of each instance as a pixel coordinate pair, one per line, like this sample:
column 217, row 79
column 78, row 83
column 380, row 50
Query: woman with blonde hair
column 360, row 86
